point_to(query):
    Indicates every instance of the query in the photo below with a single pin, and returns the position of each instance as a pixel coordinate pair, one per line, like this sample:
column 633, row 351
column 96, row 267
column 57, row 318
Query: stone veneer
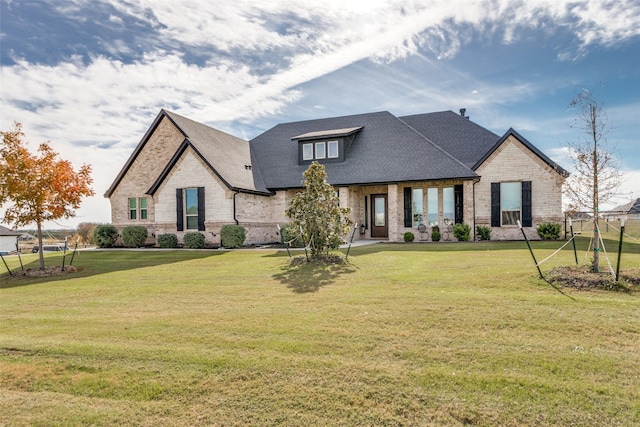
column 515, row 161
column 260, row 214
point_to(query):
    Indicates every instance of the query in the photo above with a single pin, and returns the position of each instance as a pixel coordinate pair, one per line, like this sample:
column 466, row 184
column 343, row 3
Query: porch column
column 394, row 208
column 467, row 207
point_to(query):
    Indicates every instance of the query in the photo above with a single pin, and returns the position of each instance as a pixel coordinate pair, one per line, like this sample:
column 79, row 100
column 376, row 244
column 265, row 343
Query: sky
column 90, row 76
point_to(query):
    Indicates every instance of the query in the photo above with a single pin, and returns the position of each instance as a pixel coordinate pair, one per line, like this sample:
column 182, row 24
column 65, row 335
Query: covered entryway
column 379, row 217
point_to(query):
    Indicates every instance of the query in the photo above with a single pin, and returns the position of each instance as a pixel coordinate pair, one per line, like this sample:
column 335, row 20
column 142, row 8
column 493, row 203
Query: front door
column 379, row 220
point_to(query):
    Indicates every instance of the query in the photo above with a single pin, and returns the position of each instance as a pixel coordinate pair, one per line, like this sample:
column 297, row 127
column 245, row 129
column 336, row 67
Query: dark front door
column 379, row 220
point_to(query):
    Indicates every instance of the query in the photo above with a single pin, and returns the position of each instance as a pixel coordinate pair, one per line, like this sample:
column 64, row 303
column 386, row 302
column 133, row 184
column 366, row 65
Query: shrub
column 105, row 236
column 288, row 234
column 436, row 236
column 168, row 241
column 484, row 232
column 134, row 236
column 549, row 231
column 462, row 232
column 435, row 228
column 409, row 237
column 193, row 240
column 232, row 236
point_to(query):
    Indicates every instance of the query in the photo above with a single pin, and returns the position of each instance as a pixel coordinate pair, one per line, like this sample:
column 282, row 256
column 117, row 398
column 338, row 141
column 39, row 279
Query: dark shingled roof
column 385, row 150
column 227, row 156
column 457, row 135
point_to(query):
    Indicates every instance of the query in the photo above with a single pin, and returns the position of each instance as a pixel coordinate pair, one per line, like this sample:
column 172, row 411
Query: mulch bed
column 322, row 260
column 582, row 278
column 48, row 271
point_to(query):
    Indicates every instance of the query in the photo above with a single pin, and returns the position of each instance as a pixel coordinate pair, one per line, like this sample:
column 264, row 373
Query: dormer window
column 325, row 146
column 307, row 151
column 332, row 150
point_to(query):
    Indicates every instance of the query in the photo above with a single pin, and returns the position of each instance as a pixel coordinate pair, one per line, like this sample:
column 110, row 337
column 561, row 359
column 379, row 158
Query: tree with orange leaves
column 41, row 187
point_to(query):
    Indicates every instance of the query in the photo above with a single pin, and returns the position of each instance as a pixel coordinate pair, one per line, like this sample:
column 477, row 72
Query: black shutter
column 527, row 217
column 457, row 197
column 408, row 220
column 495, row 204
column 179, row 210
column 200, row 208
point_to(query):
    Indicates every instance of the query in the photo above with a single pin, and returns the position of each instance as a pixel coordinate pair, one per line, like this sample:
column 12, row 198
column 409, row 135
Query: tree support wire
column 5, row 264
column 19, row 256
column 530, row 250
column 558, row 250
column 538, row 265
column 604, row 249
column 619, row 250
column 575, row 252
column 355, row 227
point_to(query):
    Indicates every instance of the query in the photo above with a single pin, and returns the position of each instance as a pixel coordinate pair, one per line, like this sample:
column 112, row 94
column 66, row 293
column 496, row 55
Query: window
column 432, row 206
column 143, row 208
column 133, row 208
column 413, row 209
column 137, row 208
column 191, row 208
column 510, row 203
column 307, row 151
column 321, row 150
column 448, row 205
column 332, row 148
column 417, row 208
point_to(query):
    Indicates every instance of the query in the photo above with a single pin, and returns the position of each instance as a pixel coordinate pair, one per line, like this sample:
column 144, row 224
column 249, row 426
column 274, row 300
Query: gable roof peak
column 526, row 143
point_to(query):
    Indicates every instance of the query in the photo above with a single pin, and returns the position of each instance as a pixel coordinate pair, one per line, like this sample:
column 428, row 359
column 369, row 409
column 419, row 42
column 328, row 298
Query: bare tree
column 596, row 173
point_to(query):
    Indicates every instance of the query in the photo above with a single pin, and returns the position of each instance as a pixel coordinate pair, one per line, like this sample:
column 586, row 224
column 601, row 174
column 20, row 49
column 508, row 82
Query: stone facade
column 142, row 174
column 512, row 161
column 260, row 212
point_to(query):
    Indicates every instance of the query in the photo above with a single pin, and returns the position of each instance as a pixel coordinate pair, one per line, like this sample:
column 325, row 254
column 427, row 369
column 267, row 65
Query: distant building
column 26, row 237
column 629, row 210
column 8, row 240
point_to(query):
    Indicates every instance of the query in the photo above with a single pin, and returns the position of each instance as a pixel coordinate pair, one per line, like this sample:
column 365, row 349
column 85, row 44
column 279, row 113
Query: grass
column 404, row 334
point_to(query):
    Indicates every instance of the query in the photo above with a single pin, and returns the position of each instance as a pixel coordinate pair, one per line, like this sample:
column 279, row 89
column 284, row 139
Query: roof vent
column 462, row 113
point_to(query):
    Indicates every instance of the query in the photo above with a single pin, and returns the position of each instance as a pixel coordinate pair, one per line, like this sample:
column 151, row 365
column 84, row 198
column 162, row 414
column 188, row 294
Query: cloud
column 230, row 62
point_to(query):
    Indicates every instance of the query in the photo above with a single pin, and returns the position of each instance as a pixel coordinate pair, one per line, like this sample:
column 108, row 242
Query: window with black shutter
column 408, row 221
column 527, row 214
column 200, row 208
column 495, row 204
column 459, row 212
column 179, row 210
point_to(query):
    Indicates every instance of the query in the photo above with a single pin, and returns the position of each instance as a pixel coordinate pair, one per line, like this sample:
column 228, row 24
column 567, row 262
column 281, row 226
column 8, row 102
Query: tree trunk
column 41, row 249
column 596, row 233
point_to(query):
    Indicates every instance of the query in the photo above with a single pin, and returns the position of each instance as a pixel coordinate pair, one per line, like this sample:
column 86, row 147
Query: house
column 8, row 240
column 629, row 210
column 395, row 173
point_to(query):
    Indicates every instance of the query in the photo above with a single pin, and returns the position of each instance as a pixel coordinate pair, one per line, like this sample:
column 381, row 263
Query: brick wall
column 146, row 168
column 514, row 162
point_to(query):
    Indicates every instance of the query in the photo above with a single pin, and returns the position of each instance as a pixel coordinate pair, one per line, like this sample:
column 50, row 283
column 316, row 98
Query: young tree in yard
column 596, row 176
column 85, row 232
column 41, row 186
column 316, row 214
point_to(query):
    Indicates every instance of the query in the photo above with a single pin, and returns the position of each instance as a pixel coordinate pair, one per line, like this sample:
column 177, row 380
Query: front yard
column 403, row 334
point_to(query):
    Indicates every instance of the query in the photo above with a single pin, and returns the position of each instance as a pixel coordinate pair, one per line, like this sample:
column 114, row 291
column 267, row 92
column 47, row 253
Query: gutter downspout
column 474, row 209
column 234, row 207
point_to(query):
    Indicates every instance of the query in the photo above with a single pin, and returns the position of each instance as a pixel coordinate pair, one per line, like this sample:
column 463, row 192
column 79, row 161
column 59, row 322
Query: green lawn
column 405, row 334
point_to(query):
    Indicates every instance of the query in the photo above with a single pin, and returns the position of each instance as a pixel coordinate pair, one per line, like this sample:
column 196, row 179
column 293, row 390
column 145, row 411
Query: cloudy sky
column 91, row 75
